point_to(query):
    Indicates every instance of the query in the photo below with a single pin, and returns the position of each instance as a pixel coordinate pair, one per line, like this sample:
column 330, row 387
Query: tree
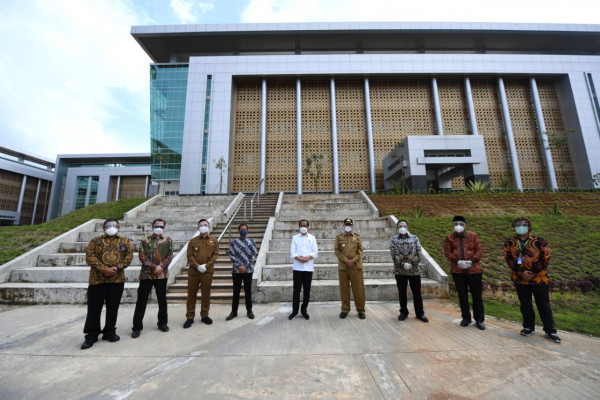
column 221, row 165
column 313, row 167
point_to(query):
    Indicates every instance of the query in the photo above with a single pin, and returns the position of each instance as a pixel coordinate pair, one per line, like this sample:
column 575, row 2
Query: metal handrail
column 228, row 226
column 252, row 200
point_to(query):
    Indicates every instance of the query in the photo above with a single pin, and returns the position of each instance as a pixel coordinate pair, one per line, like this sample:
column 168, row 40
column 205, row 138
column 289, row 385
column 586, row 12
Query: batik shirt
column 242, row 252
column 106, row 251
column 155, row 251
column 535, row 257
column 405, row 249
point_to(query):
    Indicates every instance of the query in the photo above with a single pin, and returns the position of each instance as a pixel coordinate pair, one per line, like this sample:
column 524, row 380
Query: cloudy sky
column 73, row 80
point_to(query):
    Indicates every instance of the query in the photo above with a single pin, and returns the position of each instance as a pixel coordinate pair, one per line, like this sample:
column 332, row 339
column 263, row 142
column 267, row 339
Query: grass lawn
column 16, row 240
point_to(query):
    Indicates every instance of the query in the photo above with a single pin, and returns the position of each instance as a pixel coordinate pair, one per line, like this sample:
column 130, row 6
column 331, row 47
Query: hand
column 528, row 275
column 111, row 271
column 406, row 266
column 349, row 263
column 202, row 268
column 158, row 271
column 243, row 269
column 462, row 264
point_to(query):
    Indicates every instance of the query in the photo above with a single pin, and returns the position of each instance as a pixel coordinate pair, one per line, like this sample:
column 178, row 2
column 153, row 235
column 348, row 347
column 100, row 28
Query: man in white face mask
column 463, row 250
column 156, row 253
column 107, row 255
column 303, row 252
column 349, row 250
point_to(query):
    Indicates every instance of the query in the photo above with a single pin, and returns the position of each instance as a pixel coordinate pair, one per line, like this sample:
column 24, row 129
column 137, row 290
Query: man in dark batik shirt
column 242, row 253
column 156, row 253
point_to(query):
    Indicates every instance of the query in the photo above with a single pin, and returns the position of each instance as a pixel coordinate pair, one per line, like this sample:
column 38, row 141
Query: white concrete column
column 87, row 193
column 370, row 136
column 37, row 194
column 509, row 135
column 334, row 139
column 542, row 126
column 118, row 187
column 146, row 189
column 21, row 196
column 436, row 106
column 471, row 107
column 299, row 135
column 263, row 136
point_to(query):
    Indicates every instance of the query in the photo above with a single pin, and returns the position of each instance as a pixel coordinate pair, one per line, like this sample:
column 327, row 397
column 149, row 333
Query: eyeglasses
column 458, row 223
column 111, row 226
column 522, row 224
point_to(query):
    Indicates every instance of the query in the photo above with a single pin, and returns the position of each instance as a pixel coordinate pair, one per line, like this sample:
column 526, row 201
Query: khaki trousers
column 352, row 277
column 203, row 281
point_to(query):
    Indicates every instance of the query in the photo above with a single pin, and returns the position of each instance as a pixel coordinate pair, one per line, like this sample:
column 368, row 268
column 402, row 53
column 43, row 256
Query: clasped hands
column 463, row 264
column 303, row 259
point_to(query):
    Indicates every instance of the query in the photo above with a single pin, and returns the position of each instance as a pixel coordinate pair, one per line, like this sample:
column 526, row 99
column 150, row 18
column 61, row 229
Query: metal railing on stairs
column 243, row 203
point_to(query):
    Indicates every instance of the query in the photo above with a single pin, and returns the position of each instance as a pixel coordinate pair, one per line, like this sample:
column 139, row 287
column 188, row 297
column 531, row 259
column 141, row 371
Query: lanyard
column 521, row 248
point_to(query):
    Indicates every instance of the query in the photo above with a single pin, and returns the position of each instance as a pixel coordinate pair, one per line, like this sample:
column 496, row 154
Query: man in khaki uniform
column 349, row 249
column 202, row 252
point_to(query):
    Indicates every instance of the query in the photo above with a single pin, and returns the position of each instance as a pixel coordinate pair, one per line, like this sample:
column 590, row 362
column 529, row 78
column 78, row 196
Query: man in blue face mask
column 242, row 252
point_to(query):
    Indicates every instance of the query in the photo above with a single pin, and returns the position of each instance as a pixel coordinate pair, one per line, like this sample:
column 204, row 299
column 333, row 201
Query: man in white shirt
column 303, row 252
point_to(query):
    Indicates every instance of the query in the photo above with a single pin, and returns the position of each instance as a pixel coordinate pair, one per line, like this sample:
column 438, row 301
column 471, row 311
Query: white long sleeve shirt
column 304, row 245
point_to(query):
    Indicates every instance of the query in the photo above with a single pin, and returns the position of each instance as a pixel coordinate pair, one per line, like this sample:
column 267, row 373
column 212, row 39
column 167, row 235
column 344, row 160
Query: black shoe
column 305, row 315
column 112, row 337
column 402, row 317
column 188, row 323
column 343, row 315
column 135, row 334
column 293, row 315
column 480, row 325
column 89, row 342
column 465, row 322
column 163, row 327
column 362, row 315
column 250, row 315
column 553, row 337
column 231, row 316
column 423, row 318
column 527, row 331
column 206, row 320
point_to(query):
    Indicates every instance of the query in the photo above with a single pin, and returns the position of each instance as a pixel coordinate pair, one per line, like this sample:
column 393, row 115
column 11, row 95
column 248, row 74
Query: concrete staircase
column 61, row 276
column 326, row 213
column 222, row 286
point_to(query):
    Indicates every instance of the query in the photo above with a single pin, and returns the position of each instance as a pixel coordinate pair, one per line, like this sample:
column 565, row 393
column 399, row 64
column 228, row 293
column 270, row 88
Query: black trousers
column 542, row 300
column 302, row 280
column 238, row 278
column 402, row 282
column 466, row 283
column 97, row 295
column 143, row 292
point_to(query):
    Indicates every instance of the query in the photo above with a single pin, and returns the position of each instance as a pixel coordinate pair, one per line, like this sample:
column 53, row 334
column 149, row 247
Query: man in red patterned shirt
column 528, row 257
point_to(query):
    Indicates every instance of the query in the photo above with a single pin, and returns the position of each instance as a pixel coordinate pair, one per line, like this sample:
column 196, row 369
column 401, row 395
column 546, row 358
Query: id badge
column 520, row 260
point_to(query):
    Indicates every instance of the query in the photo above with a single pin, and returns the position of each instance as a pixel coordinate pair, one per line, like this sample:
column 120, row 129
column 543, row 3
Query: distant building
column 85, row 179
column 25, row 185
column 264, row 97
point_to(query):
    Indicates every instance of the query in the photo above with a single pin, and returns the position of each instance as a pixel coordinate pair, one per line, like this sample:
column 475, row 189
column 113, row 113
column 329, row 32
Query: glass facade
column 86, row 191
column 168, row 86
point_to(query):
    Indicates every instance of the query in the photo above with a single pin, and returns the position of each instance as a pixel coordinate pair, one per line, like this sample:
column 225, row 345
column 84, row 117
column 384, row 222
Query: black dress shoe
column 362, row 315
column 135, row 334
column 206, row 320
column 423, row 318
column 250, row 315
column 231, row 316
column 293, row 315
column 305, row 315
column 163, row 327
column 480, row 325
column 113, row 337
column 402, row 317
column 465, row 322
column 343, row 315
column 89, row 342
column 188, row 323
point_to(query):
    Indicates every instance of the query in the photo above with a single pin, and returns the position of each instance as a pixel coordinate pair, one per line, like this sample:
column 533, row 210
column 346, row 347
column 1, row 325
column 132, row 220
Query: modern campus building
column 265, row 97
column 25, row 185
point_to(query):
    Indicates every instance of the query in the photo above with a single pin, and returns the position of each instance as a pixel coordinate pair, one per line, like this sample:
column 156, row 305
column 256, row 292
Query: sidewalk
column 271, row 357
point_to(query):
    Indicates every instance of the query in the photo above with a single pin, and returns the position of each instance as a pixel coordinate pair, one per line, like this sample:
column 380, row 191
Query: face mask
column 459, row 228
column 348, row 228
column 111, row 231
column 303, row 230
column 403, row 231
column 158, row 231
column 203, row 229
column 521, row 230
column 243, row 232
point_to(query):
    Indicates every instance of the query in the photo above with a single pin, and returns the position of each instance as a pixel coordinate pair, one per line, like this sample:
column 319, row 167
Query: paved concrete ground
column 271, row 357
